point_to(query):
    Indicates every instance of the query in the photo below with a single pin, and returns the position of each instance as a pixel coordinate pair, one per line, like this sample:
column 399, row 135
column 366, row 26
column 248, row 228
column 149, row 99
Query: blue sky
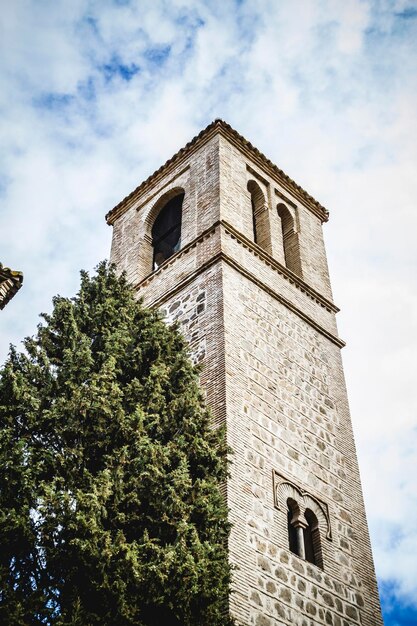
column 96, row 95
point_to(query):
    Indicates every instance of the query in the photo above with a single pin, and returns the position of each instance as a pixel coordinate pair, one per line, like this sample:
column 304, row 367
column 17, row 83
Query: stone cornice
column 221, row 256
column 186, row 281
column 284, row 271
column 224, row 129
column 289, row 305
column 10, row 283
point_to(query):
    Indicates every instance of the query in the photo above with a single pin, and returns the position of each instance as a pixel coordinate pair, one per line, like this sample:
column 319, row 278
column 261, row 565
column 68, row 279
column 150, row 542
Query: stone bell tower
column 225, row 242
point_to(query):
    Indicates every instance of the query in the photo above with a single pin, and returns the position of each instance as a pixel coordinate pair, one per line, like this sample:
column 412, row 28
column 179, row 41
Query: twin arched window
column 166, row 231
column 304, row 534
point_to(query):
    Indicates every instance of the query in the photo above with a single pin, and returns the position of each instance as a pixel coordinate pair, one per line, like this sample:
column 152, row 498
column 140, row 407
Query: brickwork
column 235, row 172
column 198, row 178
column 283, row 415
column 266, row 337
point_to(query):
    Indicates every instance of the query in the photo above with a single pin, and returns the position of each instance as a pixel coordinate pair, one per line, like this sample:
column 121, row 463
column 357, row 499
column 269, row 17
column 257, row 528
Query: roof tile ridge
column 14, row 274
column 240, row 139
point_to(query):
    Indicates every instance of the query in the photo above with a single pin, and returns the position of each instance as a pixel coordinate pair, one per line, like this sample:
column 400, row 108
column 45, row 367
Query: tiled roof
column 10, row 283
column 219, row 126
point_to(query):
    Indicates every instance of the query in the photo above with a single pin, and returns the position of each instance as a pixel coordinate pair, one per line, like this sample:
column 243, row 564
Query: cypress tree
column 110, row 505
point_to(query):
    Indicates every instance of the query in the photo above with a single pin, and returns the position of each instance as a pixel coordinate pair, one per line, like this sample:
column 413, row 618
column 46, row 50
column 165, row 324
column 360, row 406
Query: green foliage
column 110, row 509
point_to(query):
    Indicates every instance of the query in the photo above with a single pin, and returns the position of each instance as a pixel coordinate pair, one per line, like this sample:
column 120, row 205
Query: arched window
column 306, row 519
column 292, row 531
column 260, row 217
column 312, row 544
column 289, row 240
column 166, row 231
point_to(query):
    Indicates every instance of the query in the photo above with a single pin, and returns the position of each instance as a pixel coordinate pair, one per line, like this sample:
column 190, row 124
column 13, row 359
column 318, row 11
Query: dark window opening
column 166, row 231
column 308, row 545
column 292, row 534
column 287, row 227
column 255, row 237
column 312, row 544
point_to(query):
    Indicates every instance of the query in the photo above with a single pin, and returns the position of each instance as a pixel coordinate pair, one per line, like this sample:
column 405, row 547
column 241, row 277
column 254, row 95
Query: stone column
column 300, row 540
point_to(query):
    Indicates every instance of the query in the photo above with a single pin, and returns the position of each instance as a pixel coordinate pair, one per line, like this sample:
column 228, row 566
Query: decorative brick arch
column 159, row 204
column 285, row 489
column 147, row 223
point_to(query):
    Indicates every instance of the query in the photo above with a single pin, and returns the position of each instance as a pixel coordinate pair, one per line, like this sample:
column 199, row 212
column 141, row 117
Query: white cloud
column 326, row 89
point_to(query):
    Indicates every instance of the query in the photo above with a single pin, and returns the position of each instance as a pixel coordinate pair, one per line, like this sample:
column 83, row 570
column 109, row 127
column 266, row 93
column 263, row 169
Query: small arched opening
column 289, row 239
column 166, row 231
column 260, row 216
column 312, row 543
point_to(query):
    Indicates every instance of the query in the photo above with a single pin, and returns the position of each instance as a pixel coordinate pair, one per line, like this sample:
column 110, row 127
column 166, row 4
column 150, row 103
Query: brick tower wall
column 287, row 413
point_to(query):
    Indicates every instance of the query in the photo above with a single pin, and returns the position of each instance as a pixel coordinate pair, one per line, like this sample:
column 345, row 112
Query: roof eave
column 10, row 281
column 221, row 127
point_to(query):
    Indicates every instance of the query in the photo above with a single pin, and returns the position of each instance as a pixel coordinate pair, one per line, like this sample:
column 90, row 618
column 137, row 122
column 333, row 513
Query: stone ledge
column 221, row 256
column 284, row 271
column 255, row 249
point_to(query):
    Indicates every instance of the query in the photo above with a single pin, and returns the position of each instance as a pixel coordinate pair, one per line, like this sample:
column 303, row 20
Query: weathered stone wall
column 287, row 412
column 268, row 345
